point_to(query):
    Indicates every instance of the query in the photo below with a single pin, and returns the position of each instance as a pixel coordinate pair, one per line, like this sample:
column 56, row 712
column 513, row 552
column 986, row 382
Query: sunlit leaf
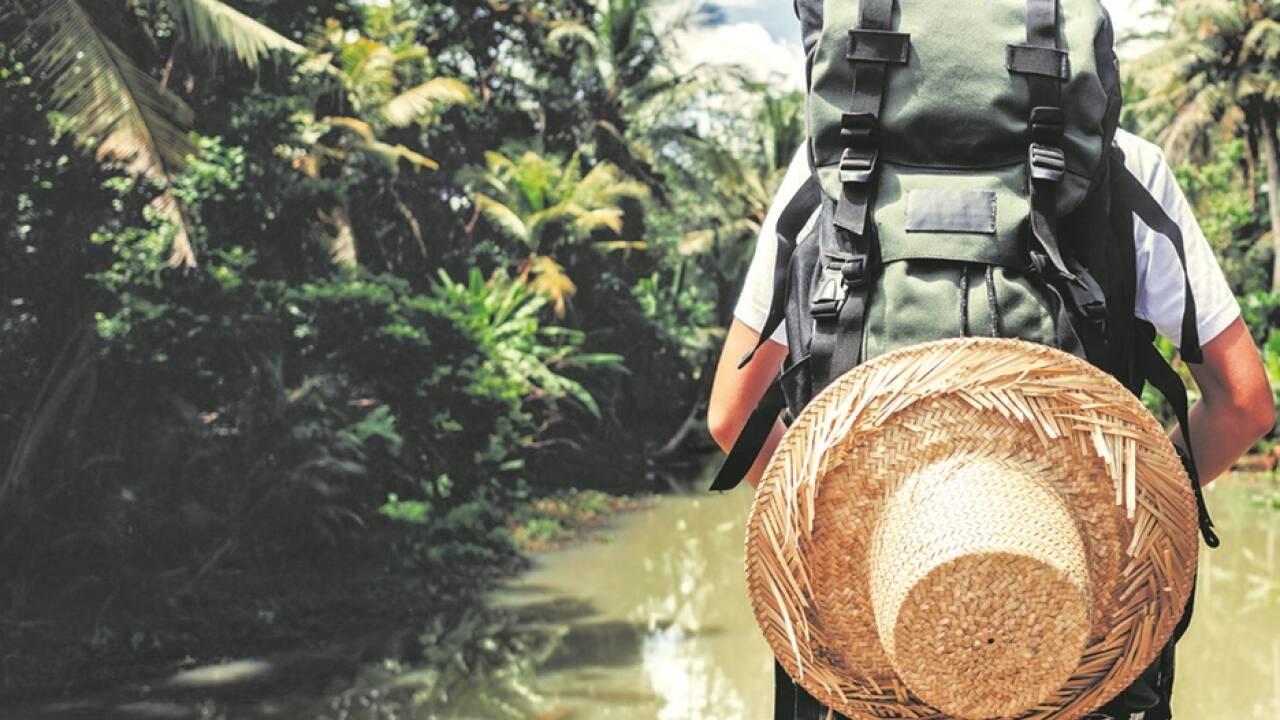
column 124, row 114
column 697, row 242
column 216, row 28
column 565, row 34
column 611, row 245
column 418, row 103
column 502, row 216
column 355, row 125
column 548, row 278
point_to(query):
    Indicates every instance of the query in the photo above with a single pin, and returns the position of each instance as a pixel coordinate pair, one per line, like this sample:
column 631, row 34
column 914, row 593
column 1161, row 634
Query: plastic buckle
column 858, row 128
column 854, row 271
column 1047, row 162
column 1047, row 124
column 830, row 297
column 1037, row 262
column 1095, row 311
column 858, row 165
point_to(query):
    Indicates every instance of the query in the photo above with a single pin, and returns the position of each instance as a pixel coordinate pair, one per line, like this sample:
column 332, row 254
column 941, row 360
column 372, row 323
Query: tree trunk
column 1271, row 156
column 72, row 365
column 1251, row 164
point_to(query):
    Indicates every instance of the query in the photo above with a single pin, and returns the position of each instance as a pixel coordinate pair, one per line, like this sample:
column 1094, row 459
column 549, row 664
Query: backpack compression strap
column 839, row 306
column 1045, row 67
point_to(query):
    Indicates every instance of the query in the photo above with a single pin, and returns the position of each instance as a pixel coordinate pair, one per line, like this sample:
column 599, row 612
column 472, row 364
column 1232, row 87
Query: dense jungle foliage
column 288, row 285
column 288, row 281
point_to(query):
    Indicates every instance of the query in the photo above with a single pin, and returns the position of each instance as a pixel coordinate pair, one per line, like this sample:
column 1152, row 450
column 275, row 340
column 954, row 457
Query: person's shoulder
column 1143, row 158
column 797, row 172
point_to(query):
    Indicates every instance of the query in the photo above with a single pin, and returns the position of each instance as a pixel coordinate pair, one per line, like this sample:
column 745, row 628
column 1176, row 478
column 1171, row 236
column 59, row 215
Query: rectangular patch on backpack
column 951, row 211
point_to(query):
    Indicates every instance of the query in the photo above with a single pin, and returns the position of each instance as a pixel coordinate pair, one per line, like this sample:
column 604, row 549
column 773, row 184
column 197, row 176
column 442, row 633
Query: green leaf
column 115, row 107
column 417, row 104
column 215, row 28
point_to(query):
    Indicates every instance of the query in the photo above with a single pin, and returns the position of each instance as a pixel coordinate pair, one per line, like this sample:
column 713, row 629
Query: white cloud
column 745, row 44
column 767, row 57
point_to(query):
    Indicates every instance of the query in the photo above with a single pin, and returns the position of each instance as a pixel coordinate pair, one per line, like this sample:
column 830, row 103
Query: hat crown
column 914, row 547
column 980, row 585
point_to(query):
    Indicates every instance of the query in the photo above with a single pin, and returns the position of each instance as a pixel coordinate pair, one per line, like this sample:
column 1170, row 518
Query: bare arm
column 734, row 392
column 1235, row 406
column 1234, row 410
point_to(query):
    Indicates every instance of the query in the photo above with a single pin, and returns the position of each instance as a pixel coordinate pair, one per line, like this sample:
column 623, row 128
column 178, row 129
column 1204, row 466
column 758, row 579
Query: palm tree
column 382, row 85
column 627, row 59
column 552, row 207
column 1215, row 75
column 119, row 109
column 739, row 173
column 129, row 118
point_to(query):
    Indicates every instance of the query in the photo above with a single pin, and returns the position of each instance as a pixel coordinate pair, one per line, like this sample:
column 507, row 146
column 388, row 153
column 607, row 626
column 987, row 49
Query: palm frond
column 588, row 221
column 567, row 33
column 502, row 216
column 415, row 158
column 417, row 103
column 1264, row 40
column 215, row 28
column 355, row 125
column 397, row 152
column 548, row 278
column 113, row 106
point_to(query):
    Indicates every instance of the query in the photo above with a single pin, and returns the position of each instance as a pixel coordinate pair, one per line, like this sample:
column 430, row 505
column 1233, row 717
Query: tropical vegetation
column 325, row 305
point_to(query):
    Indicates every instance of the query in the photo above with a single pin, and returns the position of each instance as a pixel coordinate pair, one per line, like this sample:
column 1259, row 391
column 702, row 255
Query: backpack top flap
column 951, row 98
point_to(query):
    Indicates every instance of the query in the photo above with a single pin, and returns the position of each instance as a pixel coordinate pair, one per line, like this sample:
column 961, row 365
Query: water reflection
column 655, row 625
column 670, row 635
column 1229, row 660
column 683, row 644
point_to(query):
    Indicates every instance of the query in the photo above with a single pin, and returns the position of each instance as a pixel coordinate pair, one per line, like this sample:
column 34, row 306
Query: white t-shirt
column 1160, row 287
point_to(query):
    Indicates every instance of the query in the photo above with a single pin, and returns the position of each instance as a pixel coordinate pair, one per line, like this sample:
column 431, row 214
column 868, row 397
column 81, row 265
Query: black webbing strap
column 750, row 439
column 1029, row 60
column 838, row 310
column 1164, row 379
column 872, row 48
column 797, row 212
column 1081, row 304
column 840, row 304
column 1131, row 193
column 1067, row 338
column 1089, row 305
column 784, row 694
column 1046, row 163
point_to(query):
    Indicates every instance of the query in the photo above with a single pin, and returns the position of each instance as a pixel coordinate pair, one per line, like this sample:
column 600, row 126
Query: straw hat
column 971, row 528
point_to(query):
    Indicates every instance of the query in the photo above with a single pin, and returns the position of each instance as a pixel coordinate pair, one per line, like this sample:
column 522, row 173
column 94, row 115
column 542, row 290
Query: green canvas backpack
column 965, row 180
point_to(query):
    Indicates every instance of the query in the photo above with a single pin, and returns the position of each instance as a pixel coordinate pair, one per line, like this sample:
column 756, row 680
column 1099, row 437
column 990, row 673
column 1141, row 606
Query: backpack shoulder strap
column 797, row 212
column 755, row 432
column 1158, row 372
column 1132, row 196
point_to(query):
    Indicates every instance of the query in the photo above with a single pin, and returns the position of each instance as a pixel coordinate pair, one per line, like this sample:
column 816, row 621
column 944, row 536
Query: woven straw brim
column 970, row 496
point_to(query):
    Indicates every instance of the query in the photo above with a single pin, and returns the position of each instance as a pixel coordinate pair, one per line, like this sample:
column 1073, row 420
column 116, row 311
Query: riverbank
column 642, row 615
column 303, row 621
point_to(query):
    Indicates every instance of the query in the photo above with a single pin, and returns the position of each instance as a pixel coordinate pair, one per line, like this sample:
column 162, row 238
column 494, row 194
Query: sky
column 763, row 36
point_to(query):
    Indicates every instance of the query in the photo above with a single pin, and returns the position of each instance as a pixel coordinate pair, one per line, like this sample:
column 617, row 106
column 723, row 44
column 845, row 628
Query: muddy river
column 652, row 623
